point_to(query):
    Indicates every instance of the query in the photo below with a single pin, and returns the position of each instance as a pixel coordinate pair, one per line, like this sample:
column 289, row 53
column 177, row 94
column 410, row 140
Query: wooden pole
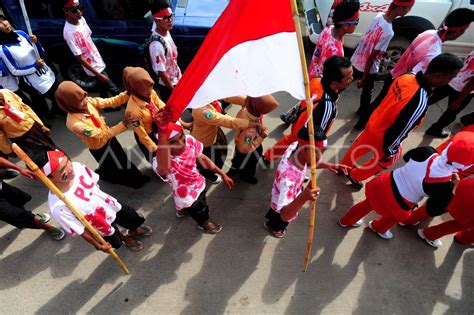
column 309, row 109
column 34, row 168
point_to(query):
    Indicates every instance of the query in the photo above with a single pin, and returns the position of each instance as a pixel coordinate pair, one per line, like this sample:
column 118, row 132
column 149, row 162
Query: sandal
column 146, row 231
column 277, row 234
column 136, row 246
column 43, row 217
column 210, row 227
column 57, row 234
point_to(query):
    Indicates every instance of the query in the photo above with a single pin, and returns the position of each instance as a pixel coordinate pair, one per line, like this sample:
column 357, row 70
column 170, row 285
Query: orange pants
column 379, row 198
column 365, row 144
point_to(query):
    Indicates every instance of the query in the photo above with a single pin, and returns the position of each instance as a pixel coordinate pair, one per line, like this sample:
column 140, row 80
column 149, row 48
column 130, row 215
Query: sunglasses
column 166, row 18
column 75, row 9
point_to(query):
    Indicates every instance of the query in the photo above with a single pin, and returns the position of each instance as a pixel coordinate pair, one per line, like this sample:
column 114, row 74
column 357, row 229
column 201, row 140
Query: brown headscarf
column 137, row 82
column 258, row 106
column 69, row 96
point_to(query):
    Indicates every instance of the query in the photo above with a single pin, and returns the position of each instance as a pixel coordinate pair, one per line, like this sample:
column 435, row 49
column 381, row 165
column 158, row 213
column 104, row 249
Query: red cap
column 461, row 150
column 54, row 160
column 71, row 3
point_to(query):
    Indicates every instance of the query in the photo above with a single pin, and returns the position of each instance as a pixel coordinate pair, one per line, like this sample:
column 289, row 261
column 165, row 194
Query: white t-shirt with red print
column 288, row 182
column 168, row 63
column 419, row 54
column 465, row 74
column 377, row 37
column 98, row 208
column 183, row 176
column 326, row 47
column 78, row 38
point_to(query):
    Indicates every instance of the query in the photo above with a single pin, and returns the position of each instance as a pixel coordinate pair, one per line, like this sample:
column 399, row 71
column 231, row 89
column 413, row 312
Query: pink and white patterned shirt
column 326, row 47
column 377, row 37
column 78, row 38
column 183, row 176
column 465, row 74
column 419, row 54
column 288, row 182
column 98, row 208
column 168, row 63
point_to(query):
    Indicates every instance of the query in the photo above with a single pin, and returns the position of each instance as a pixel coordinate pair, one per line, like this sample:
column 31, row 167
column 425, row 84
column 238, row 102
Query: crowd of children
column 186, row 162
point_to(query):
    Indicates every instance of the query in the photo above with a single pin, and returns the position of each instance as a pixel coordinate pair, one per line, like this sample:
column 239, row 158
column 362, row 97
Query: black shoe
column 214, row 179
column 8, row 174
column 284, row 118
column 232, row 172
column 437, row 133
column 249, row 179
column 354, row 183
column 360, row 125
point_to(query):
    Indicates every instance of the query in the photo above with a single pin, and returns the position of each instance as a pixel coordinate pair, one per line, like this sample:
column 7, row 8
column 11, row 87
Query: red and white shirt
column 326, row 47
column 465, row 74
column 183, row 176
column 377, row 37
column 168, row 63
column 419, row 54
column 288, row 182
column 78, row 38
column 98, row 208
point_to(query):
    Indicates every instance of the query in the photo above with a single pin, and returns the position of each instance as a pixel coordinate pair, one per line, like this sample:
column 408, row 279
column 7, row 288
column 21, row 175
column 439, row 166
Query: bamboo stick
column 309, row 109
column 34, row 168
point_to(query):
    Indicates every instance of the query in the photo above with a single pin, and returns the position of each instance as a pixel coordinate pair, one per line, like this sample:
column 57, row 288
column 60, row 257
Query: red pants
column 280, row 147
column 379, row 198
column 365, row 144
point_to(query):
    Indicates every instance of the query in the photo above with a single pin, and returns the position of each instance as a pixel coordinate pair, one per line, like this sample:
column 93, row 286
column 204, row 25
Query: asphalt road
column 243, row 269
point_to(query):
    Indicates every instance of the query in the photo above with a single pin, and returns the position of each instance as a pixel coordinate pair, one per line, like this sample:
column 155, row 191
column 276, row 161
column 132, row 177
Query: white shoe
column 403, row 224
column 217, row 181
column 357, row 224
column 386, row 236
column 435, row 243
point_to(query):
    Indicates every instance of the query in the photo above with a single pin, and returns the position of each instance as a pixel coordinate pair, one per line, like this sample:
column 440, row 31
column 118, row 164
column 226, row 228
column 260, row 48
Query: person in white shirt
column 368, row 54
column 459, row 92
column 77, row 35
column 162, row 50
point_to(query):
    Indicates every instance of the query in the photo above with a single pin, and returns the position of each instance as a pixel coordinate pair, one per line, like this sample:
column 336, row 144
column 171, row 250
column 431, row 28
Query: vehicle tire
column 395, row 50
column 73, row 71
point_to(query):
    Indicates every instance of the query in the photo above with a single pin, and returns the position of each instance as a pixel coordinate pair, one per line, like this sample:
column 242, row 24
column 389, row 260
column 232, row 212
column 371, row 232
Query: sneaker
column 404, row 224
column 181, row 213
column 357, row 224
column 306, row 178
column 277, row 234
column 8, row 174
column 386, row 236
column 435, row 243
column 215, row 179
column 354, row 183
column 232, row 172
column 284, row 118
column 443, row 133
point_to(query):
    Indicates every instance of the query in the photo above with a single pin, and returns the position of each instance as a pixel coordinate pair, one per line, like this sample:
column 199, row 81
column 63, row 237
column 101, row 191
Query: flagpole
column 309, row 109
column 34, row 168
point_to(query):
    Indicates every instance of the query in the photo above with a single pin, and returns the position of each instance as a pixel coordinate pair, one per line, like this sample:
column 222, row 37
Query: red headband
column 403, row 3
column 173, row 130
column 71, row 3
column 352, row 18
column 163, row 13
column 54, row 159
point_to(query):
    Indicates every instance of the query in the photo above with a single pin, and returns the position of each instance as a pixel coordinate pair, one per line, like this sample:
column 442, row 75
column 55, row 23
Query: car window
column 121, row 9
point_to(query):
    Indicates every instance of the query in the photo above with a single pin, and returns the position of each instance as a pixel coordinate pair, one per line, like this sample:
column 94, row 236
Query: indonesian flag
column 251, row 50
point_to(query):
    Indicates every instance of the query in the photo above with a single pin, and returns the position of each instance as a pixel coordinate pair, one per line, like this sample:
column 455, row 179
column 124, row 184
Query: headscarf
column 69, row 96
column 259, row 106
column 137, row 82
column 9, row 38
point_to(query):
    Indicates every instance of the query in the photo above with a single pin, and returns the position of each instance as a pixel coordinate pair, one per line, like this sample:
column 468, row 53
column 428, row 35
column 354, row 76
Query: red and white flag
column 251, row 50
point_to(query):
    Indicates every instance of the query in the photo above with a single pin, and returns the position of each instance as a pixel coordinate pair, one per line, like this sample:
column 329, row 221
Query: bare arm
column 91, row 240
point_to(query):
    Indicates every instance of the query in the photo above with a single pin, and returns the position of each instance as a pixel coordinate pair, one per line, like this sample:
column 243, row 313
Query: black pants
column 217, row 155
column 107, row 87
column 128, row 218
column 367, row 89
column 449, row 114
column 38, row 101
column 275, row 221
column 12, row 211
column 246, row 164
column 199, row 210
column 165, row 93
column 114, row 165
column 147, row 154
column 365, row 116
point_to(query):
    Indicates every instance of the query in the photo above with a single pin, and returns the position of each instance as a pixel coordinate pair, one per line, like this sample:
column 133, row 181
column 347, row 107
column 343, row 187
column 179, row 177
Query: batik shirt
column 377, row 37
column 183, row 176
column 288, row 182
column 98, row 208
column 326, row 47
column 78, row 38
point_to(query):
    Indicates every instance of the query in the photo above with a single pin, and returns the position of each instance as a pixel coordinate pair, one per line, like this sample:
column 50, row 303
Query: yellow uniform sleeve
column 5, row 146
column 114, row 101
column 210, row 116
column 27, row 109
column 143, row 135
